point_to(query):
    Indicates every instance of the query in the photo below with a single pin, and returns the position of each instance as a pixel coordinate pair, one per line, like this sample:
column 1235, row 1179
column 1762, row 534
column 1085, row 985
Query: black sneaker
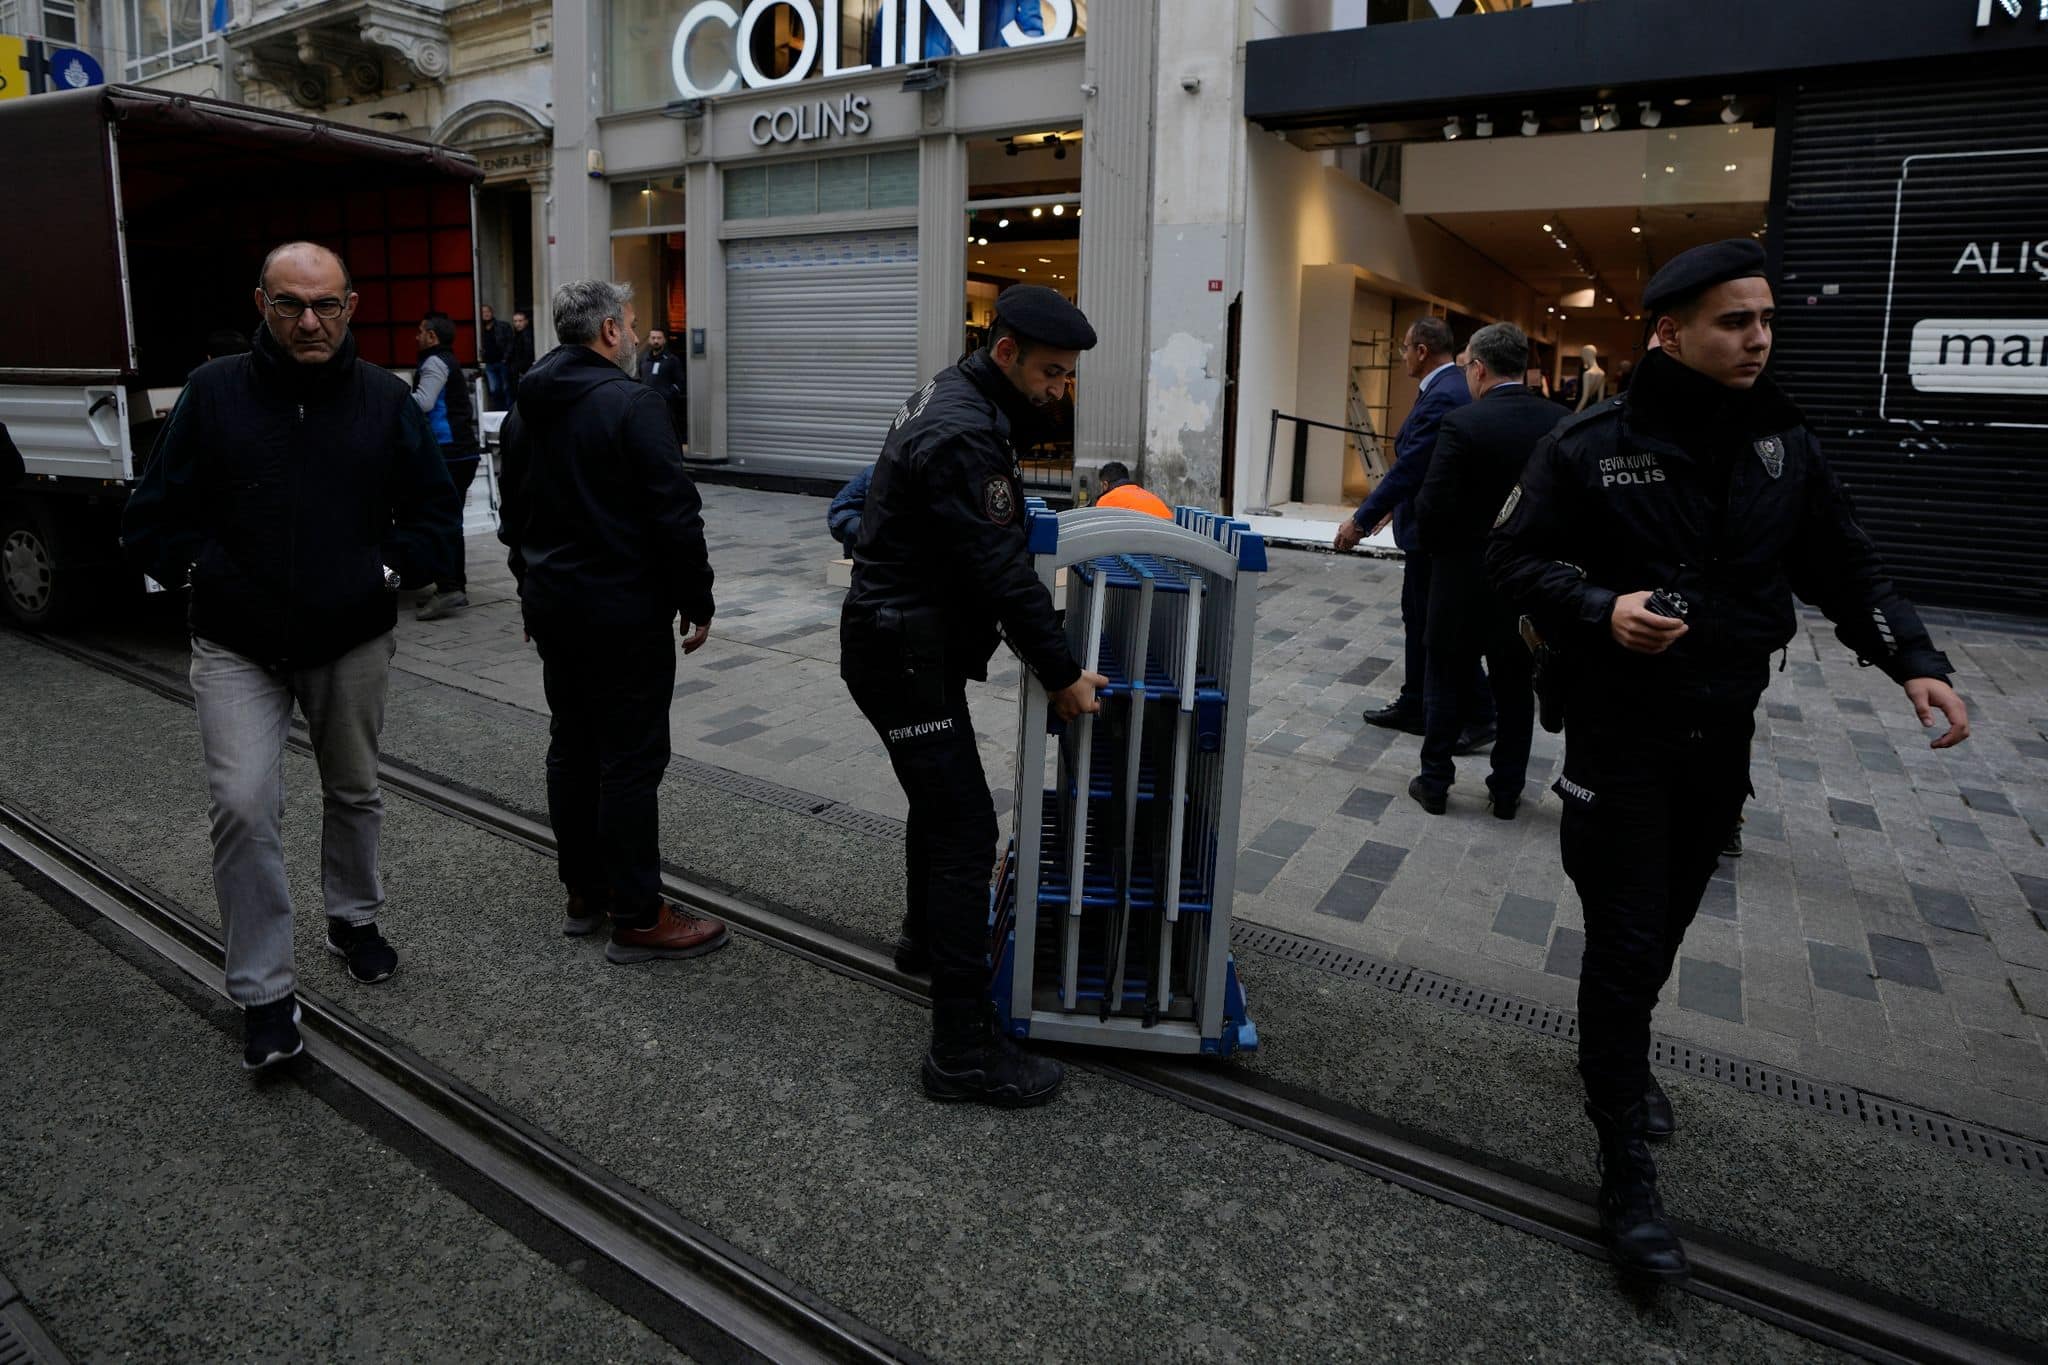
column 370, row 959
column 914, row 958
column 270, row 1034
column 994, row 1071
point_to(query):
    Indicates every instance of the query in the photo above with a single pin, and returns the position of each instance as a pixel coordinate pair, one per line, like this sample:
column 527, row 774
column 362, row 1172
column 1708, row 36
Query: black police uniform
column 1722, row 497
column 940, row 564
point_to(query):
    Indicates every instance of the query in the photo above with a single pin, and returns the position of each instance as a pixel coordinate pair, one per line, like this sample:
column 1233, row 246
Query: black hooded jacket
column 1720, row 495
column 941, row 559
column 604, row 526
column 283, row 491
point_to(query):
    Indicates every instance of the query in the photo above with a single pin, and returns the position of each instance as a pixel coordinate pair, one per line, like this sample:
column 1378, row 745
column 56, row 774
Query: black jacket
column 519, row 356
column 494, row 339
column 941, row 559
column 1480, row 450
column 1720, row 495
column 284, row 490
column 604, row 526
column 667, row 376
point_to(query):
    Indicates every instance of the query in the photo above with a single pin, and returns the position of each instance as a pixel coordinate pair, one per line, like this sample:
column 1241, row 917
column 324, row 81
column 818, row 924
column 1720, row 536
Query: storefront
column 1537, row 164
column 820, row 228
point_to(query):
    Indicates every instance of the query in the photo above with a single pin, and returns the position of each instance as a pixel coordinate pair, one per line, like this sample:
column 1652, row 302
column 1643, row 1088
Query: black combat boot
column 970, row 1061
column 1631, row 1215
column 912, row 954
column 1659, row 1122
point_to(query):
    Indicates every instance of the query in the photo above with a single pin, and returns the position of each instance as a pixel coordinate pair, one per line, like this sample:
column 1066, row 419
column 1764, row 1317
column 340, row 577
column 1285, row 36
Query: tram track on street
column 750, row 1304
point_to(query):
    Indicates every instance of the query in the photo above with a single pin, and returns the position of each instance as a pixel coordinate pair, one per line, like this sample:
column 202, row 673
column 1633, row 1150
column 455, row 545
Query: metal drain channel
column 1967, row 1139
column 22, row 1340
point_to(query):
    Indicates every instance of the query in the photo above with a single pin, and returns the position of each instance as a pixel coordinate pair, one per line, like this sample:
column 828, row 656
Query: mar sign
column 1966, row 313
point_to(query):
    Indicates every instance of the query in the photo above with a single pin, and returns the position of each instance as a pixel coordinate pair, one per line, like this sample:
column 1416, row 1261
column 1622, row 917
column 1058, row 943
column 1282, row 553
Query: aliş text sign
column 1966, row 315
column 713, row 49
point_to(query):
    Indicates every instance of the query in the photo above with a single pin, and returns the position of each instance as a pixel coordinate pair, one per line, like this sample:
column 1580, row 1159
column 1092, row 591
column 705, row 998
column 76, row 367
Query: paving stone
column 1798, row 769
column 1989, row 802
column 1525, row 918
column 1376, row 861
column 1948, row 909
column 1256, row 870
column 734, row 734
column 1282, row 839
column 1959, row 833
column 1350, row 898
column 1567, row 947
column 1869, row 740
column 1710, row 988
column 1904, row 961
column 1854, row 814
column 1719, row 900
column 1880, row 761
column 2034, row 889
column 1782, row 710
column 1763, row 824
column 1841, row 970
column 1854, row 706
column 1365, row 804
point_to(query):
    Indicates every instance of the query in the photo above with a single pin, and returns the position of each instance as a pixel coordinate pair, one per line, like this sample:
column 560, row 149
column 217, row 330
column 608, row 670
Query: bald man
column 296, row 490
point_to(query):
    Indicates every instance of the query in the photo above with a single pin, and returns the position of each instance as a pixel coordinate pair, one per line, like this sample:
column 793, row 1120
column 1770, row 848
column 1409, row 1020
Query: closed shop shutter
column 821, row 348
column 1913, row 320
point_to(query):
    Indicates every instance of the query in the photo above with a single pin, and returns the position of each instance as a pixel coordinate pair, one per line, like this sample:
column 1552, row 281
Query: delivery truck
column 134, row 225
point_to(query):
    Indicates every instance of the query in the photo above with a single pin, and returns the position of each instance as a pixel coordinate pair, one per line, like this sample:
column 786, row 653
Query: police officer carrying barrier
column 940, row 564
column 1656, row 541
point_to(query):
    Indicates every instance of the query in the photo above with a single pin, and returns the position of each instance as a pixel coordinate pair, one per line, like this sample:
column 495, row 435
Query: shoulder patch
column 998, row 501
column 1771, row 450
column 1606, row 409
column 1507, row 509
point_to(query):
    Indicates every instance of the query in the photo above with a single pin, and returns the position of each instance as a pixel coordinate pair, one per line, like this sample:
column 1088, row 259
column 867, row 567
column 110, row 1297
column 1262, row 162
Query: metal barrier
column 1366, row 437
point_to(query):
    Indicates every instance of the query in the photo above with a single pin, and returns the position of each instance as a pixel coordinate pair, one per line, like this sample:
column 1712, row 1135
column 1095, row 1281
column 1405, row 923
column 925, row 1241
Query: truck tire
column 38, row 586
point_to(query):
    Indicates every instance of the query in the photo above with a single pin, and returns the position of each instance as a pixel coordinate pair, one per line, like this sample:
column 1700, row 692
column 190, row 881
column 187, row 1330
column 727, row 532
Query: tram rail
column 752, row 1305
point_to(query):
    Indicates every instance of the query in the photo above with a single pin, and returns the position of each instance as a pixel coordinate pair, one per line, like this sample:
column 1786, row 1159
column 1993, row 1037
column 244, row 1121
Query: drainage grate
column 22, row 1341
column 1986, row 1144
column 860, row 821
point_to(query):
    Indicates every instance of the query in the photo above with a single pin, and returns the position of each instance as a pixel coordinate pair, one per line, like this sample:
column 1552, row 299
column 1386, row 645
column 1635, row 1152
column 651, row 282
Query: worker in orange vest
column 1119, row 491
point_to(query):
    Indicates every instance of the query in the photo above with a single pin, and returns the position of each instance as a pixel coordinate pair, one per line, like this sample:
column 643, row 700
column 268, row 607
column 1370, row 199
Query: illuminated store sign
column 903, row 26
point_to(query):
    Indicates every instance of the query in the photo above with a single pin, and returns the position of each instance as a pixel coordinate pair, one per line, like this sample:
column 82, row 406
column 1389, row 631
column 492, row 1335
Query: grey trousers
column 245, row 714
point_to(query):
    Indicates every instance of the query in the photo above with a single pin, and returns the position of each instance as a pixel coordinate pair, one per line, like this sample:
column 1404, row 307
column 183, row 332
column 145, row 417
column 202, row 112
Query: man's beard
column 628, row 353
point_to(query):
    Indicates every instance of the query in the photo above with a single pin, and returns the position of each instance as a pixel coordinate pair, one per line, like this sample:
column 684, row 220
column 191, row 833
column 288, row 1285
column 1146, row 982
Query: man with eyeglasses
column 296, row 490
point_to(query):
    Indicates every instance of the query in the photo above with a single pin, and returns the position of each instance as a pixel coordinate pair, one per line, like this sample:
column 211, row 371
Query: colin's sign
column 713, row 49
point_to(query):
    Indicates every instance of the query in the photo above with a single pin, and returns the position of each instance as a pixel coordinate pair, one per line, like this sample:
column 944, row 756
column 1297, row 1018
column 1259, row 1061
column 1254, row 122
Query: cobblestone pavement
column 1887, row 927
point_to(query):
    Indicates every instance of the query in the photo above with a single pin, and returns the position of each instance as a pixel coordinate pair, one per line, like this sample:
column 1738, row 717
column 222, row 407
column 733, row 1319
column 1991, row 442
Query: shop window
column 656, row 202
column 165, row 34
column 652, row 262
column 54, row 21
column 847, row 184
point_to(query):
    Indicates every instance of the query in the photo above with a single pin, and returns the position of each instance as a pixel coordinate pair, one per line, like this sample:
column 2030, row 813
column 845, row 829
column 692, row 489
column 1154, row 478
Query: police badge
column 1771, row 450
column 1507, row 508
column 998, row 502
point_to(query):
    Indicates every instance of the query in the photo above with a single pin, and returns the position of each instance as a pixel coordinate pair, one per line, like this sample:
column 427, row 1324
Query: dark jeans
column 950, row 851
column 464, row 474
column 1417, row 572
column 498, row 384
column 608, row 691
column 1646, row 812
column 1468, row 623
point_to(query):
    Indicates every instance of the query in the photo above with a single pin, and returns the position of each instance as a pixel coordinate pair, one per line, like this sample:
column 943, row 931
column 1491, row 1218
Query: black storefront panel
column 1914, row 318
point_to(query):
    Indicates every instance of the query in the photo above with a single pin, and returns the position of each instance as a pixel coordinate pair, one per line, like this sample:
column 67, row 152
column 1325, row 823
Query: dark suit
column 1395, row 493
column 665, row 374
column 1480, row 451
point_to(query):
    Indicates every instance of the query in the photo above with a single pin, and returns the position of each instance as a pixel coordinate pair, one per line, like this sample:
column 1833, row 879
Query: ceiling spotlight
column 1361, row 134
column 1002, row 222
column 1671, row 170
column 1729, row 167
column 1564, row 317
column 1483, row 126
column 1045, row 260
column 1546, row 227
column 1059, row 148
column 1021, row 270
column 1010, row 147
column 981, row 241
column 1451, row 129
column 1731, row 110
column 1589, row 118
column 1550, row 310
column 1610, row 119
column 1681, row 103
column 1059, row 210
column 979, row 261
column 1530, row 127
column 1648, row 114
column 1037, row 212
column 1637, row 231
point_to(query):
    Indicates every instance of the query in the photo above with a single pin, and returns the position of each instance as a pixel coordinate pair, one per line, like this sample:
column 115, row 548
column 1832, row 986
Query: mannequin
column 1592, row 379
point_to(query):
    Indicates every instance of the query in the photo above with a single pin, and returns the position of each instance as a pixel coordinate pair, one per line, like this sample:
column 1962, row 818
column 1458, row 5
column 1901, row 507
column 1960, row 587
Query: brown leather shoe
column 673, row 934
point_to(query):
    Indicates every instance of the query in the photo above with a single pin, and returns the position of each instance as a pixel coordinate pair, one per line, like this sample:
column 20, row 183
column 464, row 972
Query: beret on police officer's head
column 1044, row 317
column 1691, row 273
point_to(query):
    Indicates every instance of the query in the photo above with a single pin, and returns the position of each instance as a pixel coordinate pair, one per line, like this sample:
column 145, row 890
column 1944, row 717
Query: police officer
column 939, row 565
column 1657, row 539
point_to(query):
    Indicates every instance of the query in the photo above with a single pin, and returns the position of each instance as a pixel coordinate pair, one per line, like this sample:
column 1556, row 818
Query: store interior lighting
column 1589, row 118
column 1059, row 148
column 1530, row 125
column 1361, row 135
column 1037, row 212
column 1002, row 222
column 1451, row 129
column 1610, row 119
column 1483, row 126
column 1731, row 109
column 1058, row 210
column 1648, row 114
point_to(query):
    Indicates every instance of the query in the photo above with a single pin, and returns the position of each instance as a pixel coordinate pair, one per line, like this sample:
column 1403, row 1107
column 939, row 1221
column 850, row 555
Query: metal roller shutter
column 821, row 348
column 1888, row 322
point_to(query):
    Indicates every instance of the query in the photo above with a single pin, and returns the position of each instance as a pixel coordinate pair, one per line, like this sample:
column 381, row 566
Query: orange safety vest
column 1132, row 498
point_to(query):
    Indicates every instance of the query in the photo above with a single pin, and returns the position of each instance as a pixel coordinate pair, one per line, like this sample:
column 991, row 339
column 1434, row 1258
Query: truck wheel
column 36, row 587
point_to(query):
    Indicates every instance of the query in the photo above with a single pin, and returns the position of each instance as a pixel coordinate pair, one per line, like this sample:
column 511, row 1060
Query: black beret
column 1691, row 273
column 1044, row 317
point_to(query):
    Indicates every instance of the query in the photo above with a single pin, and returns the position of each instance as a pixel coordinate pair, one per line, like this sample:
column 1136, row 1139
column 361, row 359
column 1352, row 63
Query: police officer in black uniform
column 939, row 565
column 1657, row 539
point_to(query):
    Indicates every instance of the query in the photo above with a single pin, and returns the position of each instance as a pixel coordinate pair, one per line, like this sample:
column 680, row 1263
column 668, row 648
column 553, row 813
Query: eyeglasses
column 288, row 307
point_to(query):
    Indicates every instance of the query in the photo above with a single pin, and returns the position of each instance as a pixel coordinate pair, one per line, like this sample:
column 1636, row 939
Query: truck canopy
column 204, row 189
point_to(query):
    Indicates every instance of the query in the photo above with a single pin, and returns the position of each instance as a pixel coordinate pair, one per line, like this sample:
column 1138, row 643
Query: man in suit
column 1427, row 352
column 1480, row 451
column 662, row 371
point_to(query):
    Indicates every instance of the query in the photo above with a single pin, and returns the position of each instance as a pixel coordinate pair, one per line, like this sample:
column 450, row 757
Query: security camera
column 1191, row 83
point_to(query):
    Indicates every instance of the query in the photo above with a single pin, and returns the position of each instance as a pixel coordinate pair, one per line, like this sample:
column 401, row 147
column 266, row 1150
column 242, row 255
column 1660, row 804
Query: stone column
column 941, row 251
